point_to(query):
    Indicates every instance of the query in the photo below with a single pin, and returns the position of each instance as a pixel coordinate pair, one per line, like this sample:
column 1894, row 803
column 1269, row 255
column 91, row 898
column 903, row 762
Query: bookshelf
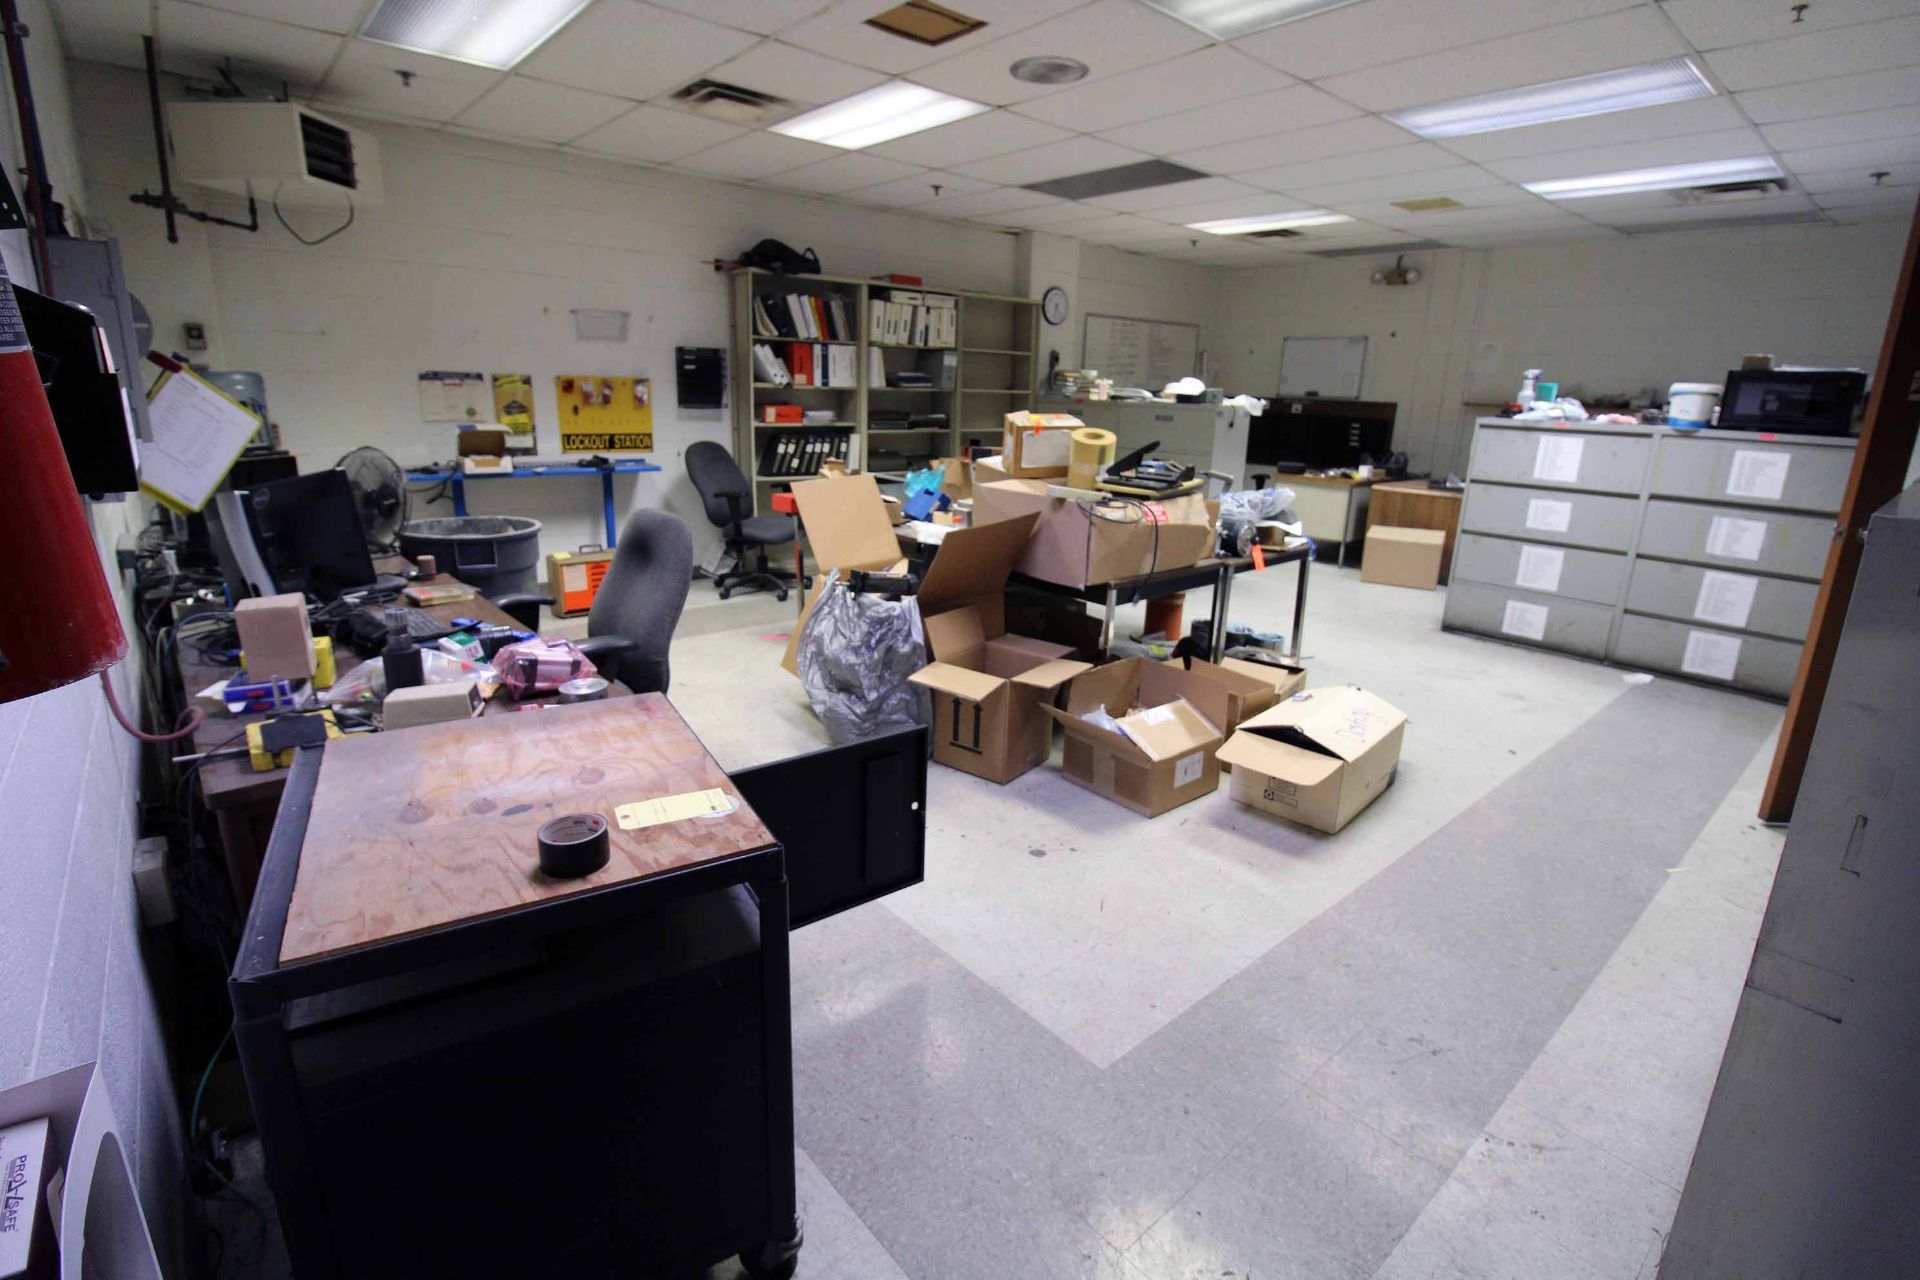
column 987, row 368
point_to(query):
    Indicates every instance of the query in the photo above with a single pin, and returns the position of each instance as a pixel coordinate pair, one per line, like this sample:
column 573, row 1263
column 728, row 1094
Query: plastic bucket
column 493, row 554
column 1690, row 405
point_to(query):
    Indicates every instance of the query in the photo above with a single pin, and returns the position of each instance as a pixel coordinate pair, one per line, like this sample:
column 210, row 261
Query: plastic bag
column 855, row 654
column 368, row 681
column 926, row 480
column 1255, row 505
column 541, row 666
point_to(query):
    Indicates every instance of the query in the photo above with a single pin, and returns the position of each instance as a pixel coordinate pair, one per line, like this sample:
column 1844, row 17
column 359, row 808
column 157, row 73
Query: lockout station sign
column 604, row 415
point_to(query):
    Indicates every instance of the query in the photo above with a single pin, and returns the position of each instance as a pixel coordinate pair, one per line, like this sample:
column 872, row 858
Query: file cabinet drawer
column 1717, row 597
column 1799, row 477
column 1551, row 622
column 1560, row 457
column 1742, row 539
column 1543, row 515
column 1596, row 576
column 1707, row 653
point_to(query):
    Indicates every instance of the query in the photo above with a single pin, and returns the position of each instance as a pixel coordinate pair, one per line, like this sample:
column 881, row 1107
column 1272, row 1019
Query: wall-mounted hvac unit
column 275, row 151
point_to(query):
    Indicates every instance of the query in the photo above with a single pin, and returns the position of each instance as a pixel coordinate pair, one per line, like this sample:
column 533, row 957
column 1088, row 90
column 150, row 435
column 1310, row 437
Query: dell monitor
column 308, row 532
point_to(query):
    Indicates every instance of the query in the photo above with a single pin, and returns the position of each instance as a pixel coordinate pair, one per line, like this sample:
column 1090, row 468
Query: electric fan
column 380, row 493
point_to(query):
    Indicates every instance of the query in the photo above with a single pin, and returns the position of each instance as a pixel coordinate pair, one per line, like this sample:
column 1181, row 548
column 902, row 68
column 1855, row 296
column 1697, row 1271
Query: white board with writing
column 1322, row 366
column 1141, row 353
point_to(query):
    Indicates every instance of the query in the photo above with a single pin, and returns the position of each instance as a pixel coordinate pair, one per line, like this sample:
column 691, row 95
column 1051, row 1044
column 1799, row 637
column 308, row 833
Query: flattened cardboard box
column 1399, row 557
column 1318, row 758
column 1164, row 755
column 988, row 687
column 847, row 525
column 1076, row 548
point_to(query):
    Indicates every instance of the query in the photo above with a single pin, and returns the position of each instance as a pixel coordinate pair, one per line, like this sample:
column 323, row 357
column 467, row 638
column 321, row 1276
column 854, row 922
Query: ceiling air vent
column 1279, row 233
column 1372, row 250
column 730, row 102
column 1731, row 192
column 925, row 22
column 1796, row 218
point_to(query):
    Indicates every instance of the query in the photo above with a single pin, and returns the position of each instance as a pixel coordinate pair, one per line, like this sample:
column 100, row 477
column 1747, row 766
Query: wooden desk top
column 1351, row 482
column 1420, row 487
column 414, row 831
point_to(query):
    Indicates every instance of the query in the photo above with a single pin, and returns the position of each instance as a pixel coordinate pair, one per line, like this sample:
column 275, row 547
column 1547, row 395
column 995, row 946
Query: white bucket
column 1690, row 405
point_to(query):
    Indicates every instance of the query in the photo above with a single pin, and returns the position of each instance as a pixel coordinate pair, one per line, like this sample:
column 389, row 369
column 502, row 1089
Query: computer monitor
column 308, row 532
column 1320, row 434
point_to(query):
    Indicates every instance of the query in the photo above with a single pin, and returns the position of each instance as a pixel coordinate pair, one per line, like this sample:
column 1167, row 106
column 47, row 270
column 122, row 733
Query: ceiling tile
column 335, row 16
column 1344, row 137
column 1198, row 79
column 1715, row 24
column 842, row 32
column 1110, row 36
column 1456, row 181
column 1062, row 215
column 1833, row 131
column 103, row 30
column 1868, row 213
column 193, row 41
column 1514, row 236
column 1213, row 210
column 757, row 155
column 1439, row 224
column 1855, row 197
column 1125, row 229
column 1845, row 51
column 437, row 88
column 633, row 50
column 1297, row 106
column 844, row 174
column 522, row 108
column 917, row 192
column 992, row 133
column 1576, row 48
column 993, row 201
column 1054, row 160
column 1822, row 181
column 1199, row 191
column 1380, row 31
column 1897, row 87
column 1887, row 153
column 1676, row 119
column 798, row 75
column 1626, row 213
column 762, row 16
column 1420, row 157
column 1727, row 144
column 657, row 135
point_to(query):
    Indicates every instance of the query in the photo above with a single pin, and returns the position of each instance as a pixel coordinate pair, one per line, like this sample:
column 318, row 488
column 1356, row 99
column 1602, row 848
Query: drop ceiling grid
column 1835, row 93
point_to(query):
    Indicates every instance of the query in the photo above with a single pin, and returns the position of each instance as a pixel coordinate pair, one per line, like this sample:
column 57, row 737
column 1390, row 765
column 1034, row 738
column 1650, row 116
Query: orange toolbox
column 573, row 578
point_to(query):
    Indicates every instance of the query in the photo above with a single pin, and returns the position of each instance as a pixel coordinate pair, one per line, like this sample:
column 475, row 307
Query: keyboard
column 421, row 625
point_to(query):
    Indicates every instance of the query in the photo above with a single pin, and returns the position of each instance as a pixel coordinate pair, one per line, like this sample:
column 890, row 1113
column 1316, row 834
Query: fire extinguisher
column 58, row 621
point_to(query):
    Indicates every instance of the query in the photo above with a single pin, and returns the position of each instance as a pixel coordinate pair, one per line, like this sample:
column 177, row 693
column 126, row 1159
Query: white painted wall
column 1613, row 316
column 73, row 987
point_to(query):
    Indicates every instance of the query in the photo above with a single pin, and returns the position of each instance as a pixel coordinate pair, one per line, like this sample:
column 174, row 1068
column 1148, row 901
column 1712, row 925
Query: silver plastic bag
column 855, row 654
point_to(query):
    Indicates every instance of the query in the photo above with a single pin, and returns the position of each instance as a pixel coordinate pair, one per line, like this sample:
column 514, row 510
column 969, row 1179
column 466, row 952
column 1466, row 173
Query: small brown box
column 1400, row 557
column 480, row 443
column 275, row 641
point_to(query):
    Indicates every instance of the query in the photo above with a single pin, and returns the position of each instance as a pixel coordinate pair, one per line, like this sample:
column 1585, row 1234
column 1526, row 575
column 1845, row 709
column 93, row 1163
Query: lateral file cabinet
column 1694, row 553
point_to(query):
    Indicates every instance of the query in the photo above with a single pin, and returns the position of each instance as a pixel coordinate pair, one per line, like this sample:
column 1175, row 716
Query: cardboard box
column 1164, row 752
column 1399, row 557
column 1247, row 687
column 956, row 480
column 1035, row 446
column 275, row 636
column 1076, row 548
column 847, row 527
column 1287, row 678
column 988, row 687
column 1318, row 758
column 477, row 442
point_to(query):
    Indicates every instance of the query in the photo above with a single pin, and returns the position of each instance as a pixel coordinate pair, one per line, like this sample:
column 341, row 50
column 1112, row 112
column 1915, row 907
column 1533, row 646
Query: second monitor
column 1315, row 434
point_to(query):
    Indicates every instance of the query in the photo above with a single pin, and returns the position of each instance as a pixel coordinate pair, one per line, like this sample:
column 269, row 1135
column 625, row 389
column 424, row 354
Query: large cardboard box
column 847, row 526
column 1286, row 677
column 1318, row 758
column 1036, row 446
column 1398, row 557
column 1246, row 694
column 988, row 687
column 1078, row 547
column 1163, row 752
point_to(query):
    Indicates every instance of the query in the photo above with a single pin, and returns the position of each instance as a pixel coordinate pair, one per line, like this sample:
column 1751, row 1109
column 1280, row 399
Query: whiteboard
column 1322, row 366
column 1140, row 353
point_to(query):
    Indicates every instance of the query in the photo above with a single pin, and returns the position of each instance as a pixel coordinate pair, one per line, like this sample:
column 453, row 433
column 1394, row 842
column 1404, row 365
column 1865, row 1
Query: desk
column 458, row 481
column 1410, row 504
column 1330, row 507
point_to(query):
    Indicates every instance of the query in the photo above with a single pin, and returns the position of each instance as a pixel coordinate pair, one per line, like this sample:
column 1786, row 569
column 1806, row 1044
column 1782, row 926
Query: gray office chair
column 638, row 605
column 727, row 497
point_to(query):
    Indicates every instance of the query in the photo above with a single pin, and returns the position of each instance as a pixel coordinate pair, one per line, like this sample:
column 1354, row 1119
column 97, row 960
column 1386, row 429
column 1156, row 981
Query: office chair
column 726, row 495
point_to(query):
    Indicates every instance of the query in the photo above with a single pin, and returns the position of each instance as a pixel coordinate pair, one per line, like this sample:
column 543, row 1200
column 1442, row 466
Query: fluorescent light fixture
column 1269, row 222
column 491, row 33
column 1658, row 83
column 1226, row 19
column 893, row 110
column 1666, row 178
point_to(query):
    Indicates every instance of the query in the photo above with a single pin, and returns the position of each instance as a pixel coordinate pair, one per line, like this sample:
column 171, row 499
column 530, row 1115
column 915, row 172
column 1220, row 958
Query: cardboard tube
column 1091, row 450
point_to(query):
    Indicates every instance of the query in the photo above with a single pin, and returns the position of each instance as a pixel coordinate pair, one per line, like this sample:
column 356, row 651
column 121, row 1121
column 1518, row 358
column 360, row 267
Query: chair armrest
column 735, row 512
column 598, row 647
column 522, row 606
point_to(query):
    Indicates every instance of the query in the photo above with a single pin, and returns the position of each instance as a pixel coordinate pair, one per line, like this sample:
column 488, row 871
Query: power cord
column 282, row 218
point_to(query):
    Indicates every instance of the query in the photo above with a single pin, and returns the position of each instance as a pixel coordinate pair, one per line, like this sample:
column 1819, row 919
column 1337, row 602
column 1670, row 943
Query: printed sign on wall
column 604, row 415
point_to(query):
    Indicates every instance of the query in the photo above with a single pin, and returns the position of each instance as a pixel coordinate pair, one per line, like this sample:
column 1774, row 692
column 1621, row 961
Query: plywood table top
column 435, row 825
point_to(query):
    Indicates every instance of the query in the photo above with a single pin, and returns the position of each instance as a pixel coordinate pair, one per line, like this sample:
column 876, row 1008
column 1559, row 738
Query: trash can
column 492, row 554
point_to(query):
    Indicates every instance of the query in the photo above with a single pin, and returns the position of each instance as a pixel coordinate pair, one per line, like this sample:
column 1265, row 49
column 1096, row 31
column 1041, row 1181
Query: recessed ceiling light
column 1226, row 19
column 1269, row 222
column 893, row 110
column 491, row 33
column 1049, row 68
column 1657, row 83
column 1665, row 178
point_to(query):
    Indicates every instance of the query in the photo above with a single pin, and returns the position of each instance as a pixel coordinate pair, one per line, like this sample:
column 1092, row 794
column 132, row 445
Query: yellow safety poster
column 513, row 402
column 604, row 415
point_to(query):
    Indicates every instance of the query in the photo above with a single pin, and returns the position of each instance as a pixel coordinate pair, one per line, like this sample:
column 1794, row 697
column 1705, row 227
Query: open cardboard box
column 1077, row 549
column 1249, row 687
column 988, row 686
column 847, row 525
column 1164, row 754
column 1318, row 758
column 1037, row 446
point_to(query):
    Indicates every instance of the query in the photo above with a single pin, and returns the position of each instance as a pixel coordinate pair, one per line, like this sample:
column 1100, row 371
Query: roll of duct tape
column 573, row 846
column 583, row 689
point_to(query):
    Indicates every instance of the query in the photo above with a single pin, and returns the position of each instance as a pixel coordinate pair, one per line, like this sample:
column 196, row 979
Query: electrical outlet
column 126, row 554
column 150, row 881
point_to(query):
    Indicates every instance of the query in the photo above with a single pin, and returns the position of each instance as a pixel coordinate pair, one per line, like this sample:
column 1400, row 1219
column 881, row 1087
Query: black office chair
column 727, row 496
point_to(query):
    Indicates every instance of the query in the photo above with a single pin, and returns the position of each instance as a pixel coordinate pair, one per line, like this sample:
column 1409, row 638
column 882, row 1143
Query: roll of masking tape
column 1090, row 450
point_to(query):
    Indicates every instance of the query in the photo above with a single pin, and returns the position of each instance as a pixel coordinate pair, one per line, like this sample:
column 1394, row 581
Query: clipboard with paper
column 197, row 432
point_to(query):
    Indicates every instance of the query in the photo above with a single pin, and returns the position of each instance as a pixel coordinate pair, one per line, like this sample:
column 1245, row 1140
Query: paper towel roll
column 1092, row 449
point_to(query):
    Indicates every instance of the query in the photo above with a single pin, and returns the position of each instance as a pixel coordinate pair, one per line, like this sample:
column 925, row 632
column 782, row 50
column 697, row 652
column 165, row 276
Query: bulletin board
column 1140, row 353
column 604, row 415
column 1322, row 367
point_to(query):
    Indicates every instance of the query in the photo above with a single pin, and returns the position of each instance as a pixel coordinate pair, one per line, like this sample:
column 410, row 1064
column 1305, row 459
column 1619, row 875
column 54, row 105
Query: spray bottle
column 1529, row 389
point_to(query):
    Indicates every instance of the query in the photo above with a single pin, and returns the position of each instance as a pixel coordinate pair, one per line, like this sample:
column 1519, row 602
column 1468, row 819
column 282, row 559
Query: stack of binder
column 797, row 454
column 802, row 317
column 910, row 317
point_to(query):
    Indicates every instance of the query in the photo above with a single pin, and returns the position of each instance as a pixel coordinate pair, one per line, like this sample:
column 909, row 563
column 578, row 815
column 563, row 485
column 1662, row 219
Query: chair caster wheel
column 726, row 592
column 772, row 1261
column 781, row 597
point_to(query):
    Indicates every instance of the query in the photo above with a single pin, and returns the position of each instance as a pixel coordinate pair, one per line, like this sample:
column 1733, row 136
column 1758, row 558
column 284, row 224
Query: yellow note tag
column 688, row 804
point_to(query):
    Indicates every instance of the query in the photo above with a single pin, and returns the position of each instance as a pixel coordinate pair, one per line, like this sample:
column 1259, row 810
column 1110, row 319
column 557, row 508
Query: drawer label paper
column 1725, row 599
column 1539, row 568
column 1711, row 655
column 1549, row 515
column 1732, row 538
column 1758, row 473
column 1556, row 459
column 1528, row 621
column 1188, row 768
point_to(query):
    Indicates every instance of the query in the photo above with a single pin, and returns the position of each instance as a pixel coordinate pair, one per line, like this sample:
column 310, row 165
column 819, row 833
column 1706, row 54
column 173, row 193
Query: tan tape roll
column 1091, row 449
